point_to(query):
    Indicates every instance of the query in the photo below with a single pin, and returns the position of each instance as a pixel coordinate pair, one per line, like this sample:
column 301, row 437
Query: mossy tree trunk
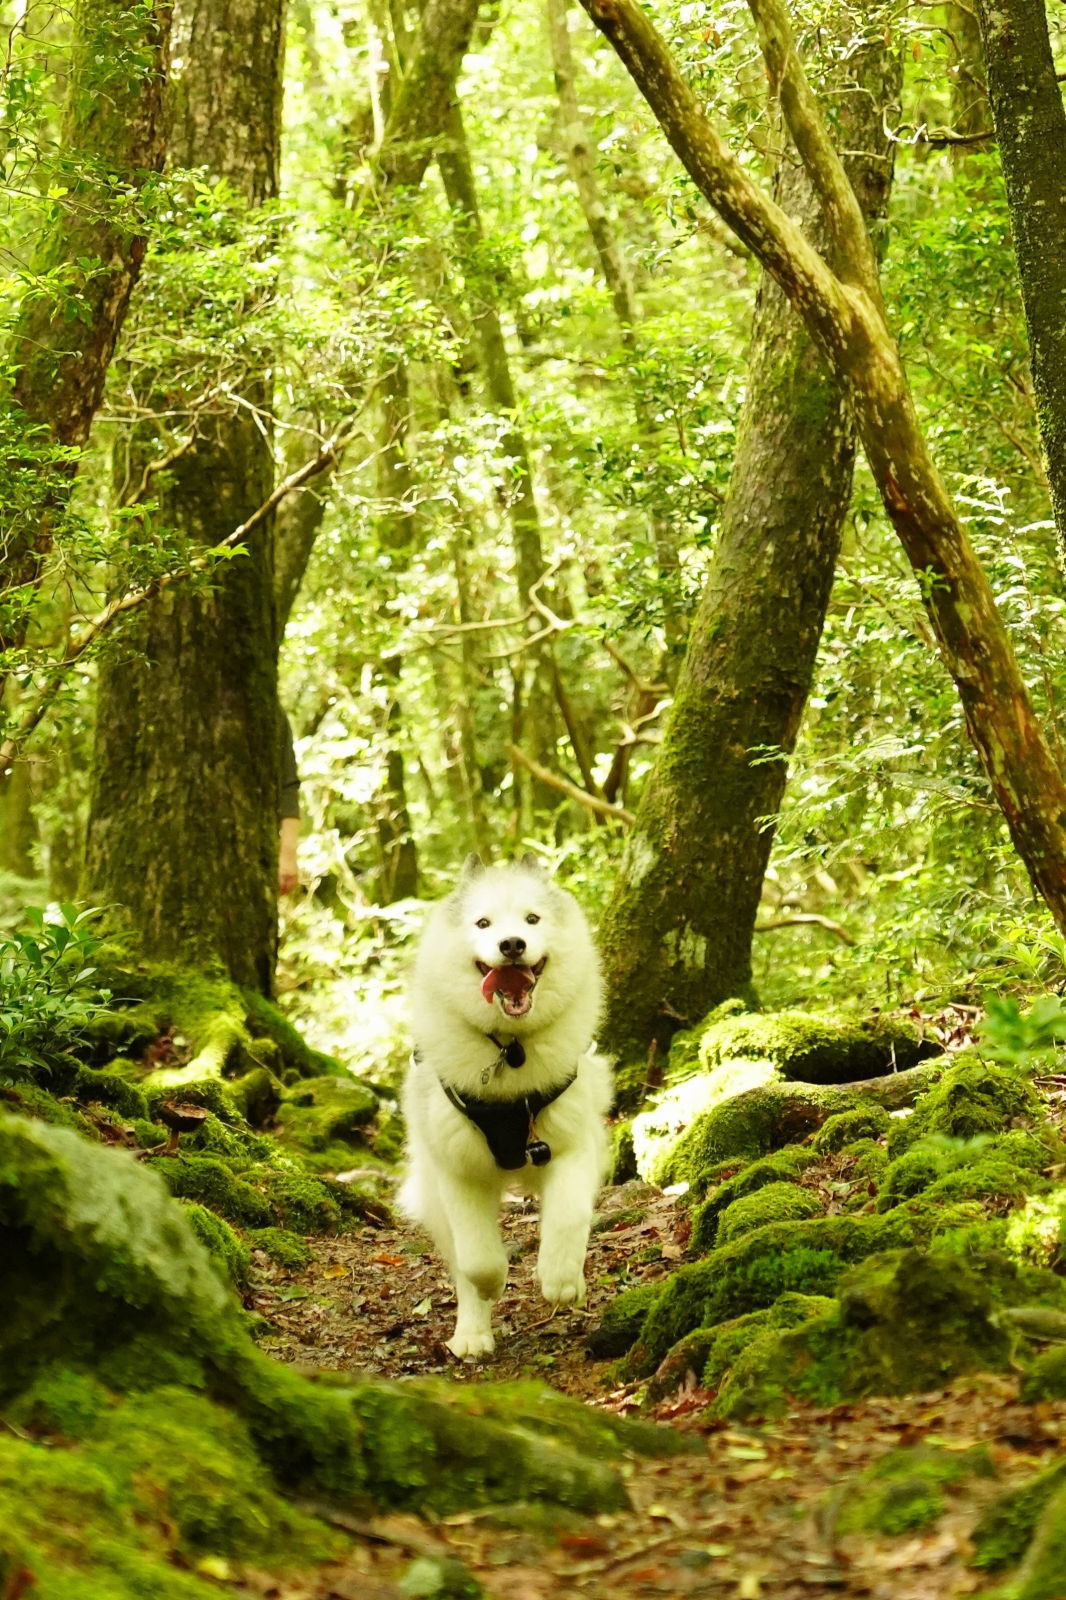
column 1030, row 128
column 184, row 808
column 112, row 141
column 844, row 312
column 678, row 933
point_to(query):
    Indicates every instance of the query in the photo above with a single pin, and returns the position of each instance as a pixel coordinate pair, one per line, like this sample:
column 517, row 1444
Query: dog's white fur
column 453, row 1186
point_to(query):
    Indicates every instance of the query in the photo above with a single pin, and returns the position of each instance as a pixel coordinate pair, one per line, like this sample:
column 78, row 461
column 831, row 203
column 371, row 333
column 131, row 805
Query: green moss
column 1040, row 1576
column 904, row 1492
column 971, row 1099
column 40, row 1103
column 730, row 1339
column 100, row 1271
column 322, row 1111
column 1004, row 1531
column 784, row 1166
column 746, row 1126
column 906, row 1321
column 110, row 1088
column 229, row 1253
column 264, row 1019
column 941, row 1168
column 1037, row 1232
column 657, row 1130
column 751, row 1273
column 777, row 1202
column 870, row 1161
column 622, row 1320
column 866, row 1121
column 299, row 1202
column 211, row 1093
column 817, row 1047
column 623, row 1156
column 208, row 1180
column 1046, row 1378
column 285, row 1248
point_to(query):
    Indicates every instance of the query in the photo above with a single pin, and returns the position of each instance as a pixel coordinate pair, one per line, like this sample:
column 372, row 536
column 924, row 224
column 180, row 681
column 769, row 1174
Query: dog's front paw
column 471, row 1344
column 561, row 1286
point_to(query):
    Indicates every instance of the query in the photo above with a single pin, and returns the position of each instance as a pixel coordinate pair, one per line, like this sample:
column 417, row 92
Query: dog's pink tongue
column 513, row 981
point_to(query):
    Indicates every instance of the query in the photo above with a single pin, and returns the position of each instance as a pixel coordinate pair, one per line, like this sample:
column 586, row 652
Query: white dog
column 504, row 1090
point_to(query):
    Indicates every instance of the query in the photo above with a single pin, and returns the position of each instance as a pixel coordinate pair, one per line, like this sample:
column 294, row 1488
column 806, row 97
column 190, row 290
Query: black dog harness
column 509, row 1126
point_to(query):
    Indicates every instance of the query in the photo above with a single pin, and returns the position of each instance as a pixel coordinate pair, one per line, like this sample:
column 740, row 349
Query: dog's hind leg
column 568, row 1194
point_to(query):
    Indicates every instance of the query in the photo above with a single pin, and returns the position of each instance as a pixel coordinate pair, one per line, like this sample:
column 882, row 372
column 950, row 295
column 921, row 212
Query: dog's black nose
column 512, row 948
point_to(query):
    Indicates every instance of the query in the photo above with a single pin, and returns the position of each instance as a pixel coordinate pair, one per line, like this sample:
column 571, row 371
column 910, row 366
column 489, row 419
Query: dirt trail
column 747, row 1514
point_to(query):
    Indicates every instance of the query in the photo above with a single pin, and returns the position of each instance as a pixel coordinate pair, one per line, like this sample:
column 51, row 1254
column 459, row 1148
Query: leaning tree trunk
column 112, row 141
column 1031, row 133
column 184, row 809
column 844, row 312
column 678, row 933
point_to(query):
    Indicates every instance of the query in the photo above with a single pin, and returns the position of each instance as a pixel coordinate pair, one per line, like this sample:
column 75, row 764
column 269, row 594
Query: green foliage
column 48, row 999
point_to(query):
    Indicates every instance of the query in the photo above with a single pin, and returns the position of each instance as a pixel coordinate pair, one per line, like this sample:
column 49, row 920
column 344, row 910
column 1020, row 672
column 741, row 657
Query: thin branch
column 603, row 808
column 799, row 918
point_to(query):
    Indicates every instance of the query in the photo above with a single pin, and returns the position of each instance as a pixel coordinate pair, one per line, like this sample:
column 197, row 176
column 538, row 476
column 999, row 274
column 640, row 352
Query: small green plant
column 1014, row 1038
column 47, row 996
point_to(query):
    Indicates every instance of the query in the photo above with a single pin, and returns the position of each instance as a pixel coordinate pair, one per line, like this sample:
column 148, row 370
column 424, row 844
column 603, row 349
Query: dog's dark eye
column 532, row 917
column 482, row 922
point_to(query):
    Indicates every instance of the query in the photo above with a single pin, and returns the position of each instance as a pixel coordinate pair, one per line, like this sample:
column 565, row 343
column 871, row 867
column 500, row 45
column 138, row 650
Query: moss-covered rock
column 971, row 1099
column 228, row 1251
column 211, row 1182
column 285, row 1248
column 319, row 1112
column 905, row 1321
column 746, row 1126
column 1008, row 1165
column 1037, row 1231
column 904, row 1492
column 111, row 1087
column 776, row 1202
column 101, row 1273
column 817, row 1047
column 729, row 1340
column 869, row 1161
column 657, row 1130
column 623, row 1157
column 784, row 1166
column 622, row 1320
column 865, row 1121
column 1006, row 1527
column 298, row 1201
column 751, row 1273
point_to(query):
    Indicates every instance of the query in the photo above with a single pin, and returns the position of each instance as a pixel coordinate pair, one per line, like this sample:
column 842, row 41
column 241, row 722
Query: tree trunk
column 535, row 720
column 678, row 933
column 112, row 140
column 845, row 315
column 184, row 808
column 1030, row 128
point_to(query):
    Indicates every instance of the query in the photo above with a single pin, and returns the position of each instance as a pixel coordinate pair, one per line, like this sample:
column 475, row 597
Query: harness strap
column 507, row 1124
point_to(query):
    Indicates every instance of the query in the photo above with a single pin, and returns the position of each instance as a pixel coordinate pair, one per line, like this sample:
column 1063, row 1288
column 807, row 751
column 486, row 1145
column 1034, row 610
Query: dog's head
column 518, row 944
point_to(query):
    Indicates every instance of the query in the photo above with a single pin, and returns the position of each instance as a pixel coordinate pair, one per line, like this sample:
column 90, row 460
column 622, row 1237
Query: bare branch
column 602, row 808
column 800, row 918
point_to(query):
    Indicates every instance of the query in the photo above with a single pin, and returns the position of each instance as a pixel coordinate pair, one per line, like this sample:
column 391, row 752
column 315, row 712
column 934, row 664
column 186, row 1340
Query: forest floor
column 743, row 1514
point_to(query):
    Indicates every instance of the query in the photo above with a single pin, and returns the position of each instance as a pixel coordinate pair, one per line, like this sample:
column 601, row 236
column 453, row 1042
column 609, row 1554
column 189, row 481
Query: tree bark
column 184, row 807
column 677, row 936
column 1030, row 128
column 844, row 313
column 113, row 139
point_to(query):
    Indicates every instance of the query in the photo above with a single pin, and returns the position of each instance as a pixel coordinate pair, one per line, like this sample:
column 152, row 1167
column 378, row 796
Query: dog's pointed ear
column 472, row 866
column 531, row 863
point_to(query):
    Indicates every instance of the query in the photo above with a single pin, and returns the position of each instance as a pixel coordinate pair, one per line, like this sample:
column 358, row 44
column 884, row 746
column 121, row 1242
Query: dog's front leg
column 478, row 1264
column 568, row 1193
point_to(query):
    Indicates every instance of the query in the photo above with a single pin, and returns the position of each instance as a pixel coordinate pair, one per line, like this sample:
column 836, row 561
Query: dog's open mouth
column 512, row 985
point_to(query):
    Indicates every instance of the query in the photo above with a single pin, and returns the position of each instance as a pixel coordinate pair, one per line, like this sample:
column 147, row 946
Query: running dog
column 504, row 1090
